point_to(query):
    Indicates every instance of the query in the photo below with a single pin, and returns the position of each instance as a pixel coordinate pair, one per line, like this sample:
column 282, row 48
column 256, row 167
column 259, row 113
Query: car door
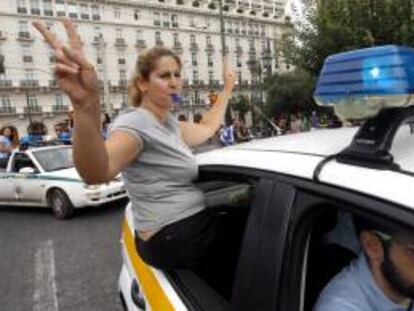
column 27, row 187
column 250, row 264
column 7, row 195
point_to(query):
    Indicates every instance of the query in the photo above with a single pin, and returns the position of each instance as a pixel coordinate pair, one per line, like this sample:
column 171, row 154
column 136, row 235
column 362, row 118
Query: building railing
column 7, row 110
column 120, row 42
column 33, row 109
column 60, row 108
column 6, row 83
column 29, row 83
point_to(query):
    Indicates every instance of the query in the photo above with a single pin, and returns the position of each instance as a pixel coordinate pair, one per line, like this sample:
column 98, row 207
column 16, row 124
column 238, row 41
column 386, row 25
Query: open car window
column 228, row 198
column 22, row 160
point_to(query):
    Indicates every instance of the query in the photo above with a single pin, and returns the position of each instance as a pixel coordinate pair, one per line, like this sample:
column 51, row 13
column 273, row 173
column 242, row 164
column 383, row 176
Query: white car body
column 31, row 188
column 294, row 155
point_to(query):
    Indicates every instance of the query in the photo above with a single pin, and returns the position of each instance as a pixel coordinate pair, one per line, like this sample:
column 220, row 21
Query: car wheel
column 61, row 205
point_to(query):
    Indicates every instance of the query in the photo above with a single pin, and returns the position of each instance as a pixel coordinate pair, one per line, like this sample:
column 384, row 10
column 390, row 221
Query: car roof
column 53, row 147
column 300, row 154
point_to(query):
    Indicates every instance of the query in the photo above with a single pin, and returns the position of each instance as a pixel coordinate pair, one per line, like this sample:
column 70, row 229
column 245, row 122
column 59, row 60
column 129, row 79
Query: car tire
column 60, row 203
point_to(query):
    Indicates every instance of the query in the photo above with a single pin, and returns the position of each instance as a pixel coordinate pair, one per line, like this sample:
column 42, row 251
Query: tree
column 343, row 25
column 241, row 105
column 289, row 92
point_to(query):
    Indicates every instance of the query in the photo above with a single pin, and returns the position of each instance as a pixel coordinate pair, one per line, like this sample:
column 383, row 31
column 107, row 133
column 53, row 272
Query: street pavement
column 47, row 264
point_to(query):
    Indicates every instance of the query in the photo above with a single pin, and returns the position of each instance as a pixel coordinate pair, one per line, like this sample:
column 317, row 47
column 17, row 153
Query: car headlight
column 92, row 187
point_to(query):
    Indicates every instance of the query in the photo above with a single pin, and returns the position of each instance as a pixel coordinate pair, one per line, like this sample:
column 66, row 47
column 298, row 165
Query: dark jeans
column 183, row 244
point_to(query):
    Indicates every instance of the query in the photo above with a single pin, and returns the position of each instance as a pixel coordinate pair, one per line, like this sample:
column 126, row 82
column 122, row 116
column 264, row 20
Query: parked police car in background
column 284, row 196
column 46, row 177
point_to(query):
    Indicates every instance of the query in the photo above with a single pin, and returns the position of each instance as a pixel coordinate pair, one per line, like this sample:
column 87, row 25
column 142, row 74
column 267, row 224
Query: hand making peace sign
column 75, row 75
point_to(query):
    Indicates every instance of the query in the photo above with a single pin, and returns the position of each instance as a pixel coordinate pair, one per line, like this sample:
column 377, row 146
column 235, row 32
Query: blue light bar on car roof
column 361, row 82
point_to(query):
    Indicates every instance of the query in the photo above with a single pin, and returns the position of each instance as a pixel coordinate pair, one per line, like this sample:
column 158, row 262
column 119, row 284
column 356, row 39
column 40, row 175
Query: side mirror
column 27, row 170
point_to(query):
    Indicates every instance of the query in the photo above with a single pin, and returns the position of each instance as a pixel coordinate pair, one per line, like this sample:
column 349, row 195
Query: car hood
column 70, row 173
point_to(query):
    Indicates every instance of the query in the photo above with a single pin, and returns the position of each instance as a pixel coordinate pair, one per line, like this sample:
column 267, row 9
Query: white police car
column 46, row 177
column 284, row 194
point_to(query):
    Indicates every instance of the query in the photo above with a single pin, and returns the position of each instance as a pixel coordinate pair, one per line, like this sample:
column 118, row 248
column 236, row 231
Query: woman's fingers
column 62, row 58
column 48, row 35
column 76, row 57
column 63, row 69
column 73, row 36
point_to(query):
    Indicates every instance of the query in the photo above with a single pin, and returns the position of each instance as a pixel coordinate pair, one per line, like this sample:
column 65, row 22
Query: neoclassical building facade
column 114, row 32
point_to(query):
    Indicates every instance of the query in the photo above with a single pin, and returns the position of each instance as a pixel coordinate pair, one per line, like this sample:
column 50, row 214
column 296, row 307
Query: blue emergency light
column 360, row 83
column 375, row 84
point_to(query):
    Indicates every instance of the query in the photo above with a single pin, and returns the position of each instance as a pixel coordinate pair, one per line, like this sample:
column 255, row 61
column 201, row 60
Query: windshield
column 54, row 159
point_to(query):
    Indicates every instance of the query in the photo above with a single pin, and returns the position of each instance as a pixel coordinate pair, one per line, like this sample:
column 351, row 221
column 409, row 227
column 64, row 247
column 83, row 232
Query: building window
column 21, row 6
column 209, row 60
column 27, row 54
column 193, row 40
column 238, row 61
column 59, row 101
column 229, row 27
column 195, row 76
column 35, row 7
column 243, row 29
column 236, row 28
column 174, row 20
column 30, row 74
column 263, row 31
column 157, row 19
column 208, row 40
column 60, row 8
column 32, row 104
column 239, row 77
column 166, row 20
column 158, row 40
column 47, row 8
column 84, row 11
column 24, row 30
column 194, row 59
column 96, row 15
column 6, row 105
column 122, row 75
column 117, row 13
column 210, row 76
column 176, row 39
column 118, row 33
column 73, row 10
column 136, row 15
column 138, row 35
column 121, row 58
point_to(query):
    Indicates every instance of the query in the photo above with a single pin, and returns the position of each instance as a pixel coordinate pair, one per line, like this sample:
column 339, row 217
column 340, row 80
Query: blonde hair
column 146, row 63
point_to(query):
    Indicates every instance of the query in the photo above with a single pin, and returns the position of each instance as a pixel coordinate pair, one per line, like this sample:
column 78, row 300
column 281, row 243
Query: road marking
column 44, row 296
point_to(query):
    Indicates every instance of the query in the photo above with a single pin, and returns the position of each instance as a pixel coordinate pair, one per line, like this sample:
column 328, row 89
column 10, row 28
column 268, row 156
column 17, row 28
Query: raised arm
column 194, row 134
column 95, row 160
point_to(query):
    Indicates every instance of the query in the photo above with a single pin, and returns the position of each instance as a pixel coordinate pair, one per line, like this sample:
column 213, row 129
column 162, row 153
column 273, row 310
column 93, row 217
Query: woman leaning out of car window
column 148, row 145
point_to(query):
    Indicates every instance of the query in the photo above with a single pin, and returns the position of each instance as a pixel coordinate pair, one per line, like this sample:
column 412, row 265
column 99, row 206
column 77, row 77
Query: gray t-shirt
column 160, row 180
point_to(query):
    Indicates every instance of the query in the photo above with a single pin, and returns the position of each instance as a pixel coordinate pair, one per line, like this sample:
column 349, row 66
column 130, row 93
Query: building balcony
column 29, row 83
column 120, row 42
column 6, row 111
column 97, row 40
column 141, row 44
column 6, row 83
column 123, row 83
column 121, row 61
column 213, row 83
column 210, row 48
column 24, row 36
column 33, row 109
column 239, row 50
column 159, row 42
column 22, row 10
column 177, row 48
column 2, row 35
column 59, row 108
column 194, row 47
column 53, row 84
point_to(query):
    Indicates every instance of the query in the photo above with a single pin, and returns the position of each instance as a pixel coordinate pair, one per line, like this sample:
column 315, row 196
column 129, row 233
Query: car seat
column 325, row 258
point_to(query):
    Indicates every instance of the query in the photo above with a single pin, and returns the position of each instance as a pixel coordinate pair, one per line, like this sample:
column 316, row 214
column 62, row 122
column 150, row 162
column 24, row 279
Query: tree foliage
column 241, row 104
column 343, row 25
column 289, row 92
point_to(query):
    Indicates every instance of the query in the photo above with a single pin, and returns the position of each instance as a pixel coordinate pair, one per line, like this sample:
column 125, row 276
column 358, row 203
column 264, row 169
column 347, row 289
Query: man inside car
column 381, row 278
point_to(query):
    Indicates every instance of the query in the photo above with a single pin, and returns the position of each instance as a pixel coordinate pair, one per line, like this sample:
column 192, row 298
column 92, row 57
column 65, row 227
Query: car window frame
column 17, row 155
